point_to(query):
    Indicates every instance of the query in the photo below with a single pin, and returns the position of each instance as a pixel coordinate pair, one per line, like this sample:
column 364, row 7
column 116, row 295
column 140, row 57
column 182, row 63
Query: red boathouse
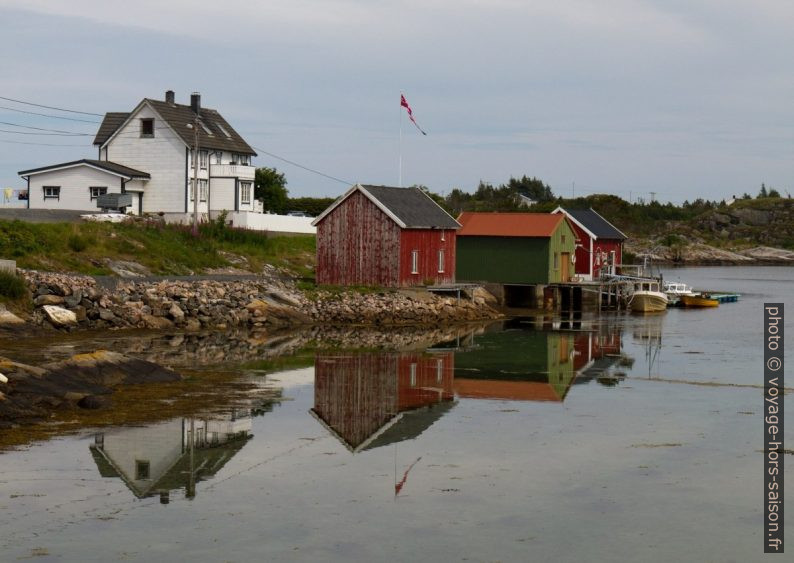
column 599, row 249
column 379, row 235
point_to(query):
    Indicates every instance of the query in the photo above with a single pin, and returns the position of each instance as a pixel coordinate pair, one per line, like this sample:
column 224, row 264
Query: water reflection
column 368, row 400
column 174, row 455
column 511, row 362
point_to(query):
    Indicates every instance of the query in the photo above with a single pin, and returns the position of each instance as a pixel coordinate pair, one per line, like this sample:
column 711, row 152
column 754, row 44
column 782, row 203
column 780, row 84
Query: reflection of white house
column 157, row 459
column 148, row 154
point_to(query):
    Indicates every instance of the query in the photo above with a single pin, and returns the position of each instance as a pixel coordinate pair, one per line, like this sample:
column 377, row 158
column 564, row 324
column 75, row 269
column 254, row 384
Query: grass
column 12, row 286
column 163, row 249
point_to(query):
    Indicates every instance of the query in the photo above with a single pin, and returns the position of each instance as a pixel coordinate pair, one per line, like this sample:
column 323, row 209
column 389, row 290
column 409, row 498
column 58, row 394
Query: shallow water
column 623, row 438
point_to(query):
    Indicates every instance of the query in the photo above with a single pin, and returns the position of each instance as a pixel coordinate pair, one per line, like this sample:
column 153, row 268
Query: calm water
column 623, row 438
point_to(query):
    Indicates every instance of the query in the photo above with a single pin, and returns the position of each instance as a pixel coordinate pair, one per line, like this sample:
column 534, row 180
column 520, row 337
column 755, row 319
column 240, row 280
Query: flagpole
column 400, row 148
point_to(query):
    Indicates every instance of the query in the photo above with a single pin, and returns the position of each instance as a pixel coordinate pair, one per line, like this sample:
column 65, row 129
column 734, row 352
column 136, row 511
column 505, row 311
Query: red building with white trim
column 599, row 249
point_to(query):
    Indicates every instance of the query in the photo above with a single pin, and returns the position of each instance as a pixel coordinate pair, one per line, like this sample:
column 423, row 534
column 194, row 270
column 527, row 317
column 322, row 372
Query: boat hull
column 698, row 301
column 648, row 301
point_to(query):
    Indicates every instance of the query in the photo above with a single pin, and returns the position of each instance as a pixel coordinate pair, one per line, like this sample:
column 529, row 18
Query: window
column 52, row 192
column 147, row 127
column 243, row 159
column 556, row 260
column 245, row 192
column 218, row 157
column 413, row 375
column 439, row 370
column 142, row 470
column 224, row 131
column 203, row 160
column 206, row 129
column 192, row 189
column 203, row 189
column 562, row 238
column 414, row 261
column 97, row 191
column 440, row 261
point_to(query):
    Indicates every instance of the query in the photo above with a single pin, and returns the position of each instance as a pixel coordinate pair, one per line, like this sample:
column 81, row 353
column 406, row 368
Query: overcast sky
column 684, row 98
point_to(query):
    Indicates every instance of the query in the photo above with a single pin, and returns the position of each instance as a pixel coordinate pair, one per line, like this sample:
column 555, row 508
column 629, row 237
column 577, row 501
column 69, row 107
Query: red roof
column 508, row 224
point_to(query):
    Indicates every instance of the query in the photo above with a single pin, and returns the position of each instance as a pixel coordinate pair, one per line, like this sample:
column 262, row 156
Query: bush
column 77, row 243
column 12, row 286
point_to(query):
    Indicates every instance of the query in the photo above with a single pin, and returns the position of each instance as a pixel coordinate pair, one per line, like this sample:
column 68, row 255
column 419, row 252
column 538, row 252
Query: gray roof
column 113, row 167
column 413, row 207
column 178, row 116
column 111, row 122
column 596, row 224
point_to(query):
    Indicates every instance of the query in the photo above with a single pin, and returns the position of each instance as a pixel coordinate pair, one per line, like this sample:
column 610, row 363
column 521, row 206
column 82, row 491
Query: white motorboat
column 675, row 290
column 647, row 297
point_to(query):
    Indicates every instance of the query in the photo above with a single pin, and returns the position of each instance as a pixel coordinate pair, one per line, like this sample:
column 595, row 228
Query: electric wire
column 50, row 107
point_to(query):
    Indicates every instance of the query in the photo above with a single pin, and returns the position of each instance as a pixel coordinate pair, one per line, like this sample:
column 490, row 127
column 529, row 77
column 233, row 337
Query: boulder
column 59, row 317
column 8, row 318
column 158, row 323
column 176, row 313
column 48, row 300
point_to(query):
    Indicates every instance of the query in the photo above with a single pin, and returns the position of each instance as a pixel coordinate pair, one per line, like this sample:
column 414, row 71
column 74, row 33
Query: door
column 566, row 262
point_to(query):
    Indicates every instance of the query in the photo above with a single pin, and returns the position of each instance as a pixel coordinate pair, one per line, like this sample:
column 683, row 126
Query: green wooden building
column 515, row 248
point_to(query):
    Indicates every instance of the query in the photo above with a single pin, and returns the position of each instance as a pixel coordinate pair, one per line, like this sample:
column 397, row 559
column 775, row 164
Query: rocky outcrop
column 70, row 301
column 32, row 393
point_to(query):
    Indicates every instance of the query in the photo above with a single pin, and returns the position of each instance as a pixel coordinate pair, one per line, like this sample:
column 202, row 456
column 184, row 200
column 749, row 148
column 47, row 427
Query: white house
column 148, row 154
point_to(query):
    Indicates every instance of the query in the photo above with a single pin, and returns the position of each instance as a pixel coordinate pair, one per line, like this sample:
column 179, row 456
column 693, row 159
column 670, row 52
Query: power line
column 347, row 183
column 45, row 129
column 49, row 115
column 50, row 107
column 38, row 133
column 39, row 144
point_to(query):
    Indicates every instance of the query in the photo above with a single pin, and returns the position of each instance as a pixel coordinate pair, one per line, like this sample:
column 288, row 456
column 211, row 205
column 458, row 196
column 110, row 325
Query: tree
column 533, row 188
column 270, row 187
column 763, row 192
column 773, row 193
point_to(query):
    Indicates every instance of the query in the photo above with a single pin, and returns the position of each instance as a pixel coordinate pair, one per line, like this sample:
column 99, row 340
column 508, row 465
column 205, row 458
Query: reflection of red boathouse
column 368, row 400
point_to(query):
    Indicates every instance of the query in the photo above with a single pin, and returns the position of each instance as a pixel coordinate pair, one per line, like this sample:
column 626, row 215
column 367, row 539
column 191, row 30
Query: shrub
column 77, row 243
column 12, row 286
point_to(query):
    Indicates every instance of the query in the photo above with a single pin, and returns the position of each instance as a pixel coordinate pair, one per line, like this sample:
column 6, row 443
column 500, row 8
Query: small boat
column 703, row 300
column 647, row 297
column 677, row 289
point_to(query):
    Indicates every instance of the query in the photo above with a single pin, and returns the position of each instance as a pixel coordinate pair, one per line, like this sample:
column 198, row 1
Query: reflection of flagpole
column 400, row 150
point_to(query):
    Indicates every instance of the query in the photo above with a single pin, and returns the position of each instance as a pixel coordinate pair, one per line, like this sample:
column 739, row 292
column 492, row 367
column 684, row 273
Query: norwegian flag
column 404, row 103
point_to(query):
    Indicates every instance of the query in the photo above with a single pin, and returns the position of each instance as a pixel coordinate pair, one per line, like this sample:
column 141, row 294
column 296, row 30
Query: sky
column 670, row 99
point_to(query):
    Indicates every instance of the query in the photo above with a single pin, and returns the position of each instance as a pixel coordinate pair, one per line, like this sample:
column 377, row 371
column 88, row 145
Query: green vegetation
column 163, row 249
column 12, row 287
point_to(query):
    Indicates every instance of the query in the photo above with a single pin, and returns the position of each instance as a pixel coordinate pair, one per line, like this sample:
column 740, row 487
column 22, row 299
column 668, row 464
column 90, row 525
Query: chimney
column 169, row 97
column 195, row 102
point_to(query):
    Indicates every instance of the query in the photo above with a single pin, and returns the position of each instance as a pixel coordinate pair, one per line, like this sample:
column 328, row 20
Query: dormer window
column 147, row 127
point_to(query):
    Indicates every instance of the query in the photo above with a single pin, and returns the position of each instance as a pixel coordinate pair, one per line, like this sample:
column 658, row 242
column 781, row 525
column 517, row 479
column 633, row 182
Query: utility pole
column 195, row 173
column 653, row 197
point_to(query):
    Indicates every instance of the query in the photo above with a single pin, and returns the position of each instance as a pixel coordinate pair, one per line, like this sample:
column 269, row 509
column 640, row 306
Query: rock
column 48, row 300
column 59, row 317
column 158, row 323
column 192, row 325
column 176, row 313
column 106, row 315
column 94, row 402
column 128, row 269
column 8, row 318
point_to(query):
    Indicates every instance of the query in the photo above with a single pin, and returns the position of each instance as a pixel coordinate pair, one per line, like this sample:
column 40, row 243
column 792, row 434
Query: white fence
column 273, row 223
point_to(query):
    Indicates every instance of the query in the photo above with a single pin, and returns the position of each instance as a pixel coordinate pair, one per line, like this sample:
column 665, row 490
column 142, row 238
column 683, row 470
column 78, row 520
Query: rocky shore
column 69, row 302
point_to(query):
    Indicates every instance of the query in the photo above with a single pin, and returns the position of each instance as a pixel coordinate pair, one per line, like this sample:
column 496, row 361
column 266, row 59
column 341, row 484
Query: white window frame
column 203, row 158
column 441, row 261
column 54, row 192
column 203, row 189
column 99, row 191
column 219, row 157
column 192, row 189
column 414, row 261
column 245, row 193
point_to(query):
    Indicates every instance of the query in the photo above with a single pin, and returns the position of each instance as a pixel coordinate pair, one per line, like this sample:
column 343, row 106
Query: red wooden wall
column 584, row 259
column 428, row 242
column 358, row 244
